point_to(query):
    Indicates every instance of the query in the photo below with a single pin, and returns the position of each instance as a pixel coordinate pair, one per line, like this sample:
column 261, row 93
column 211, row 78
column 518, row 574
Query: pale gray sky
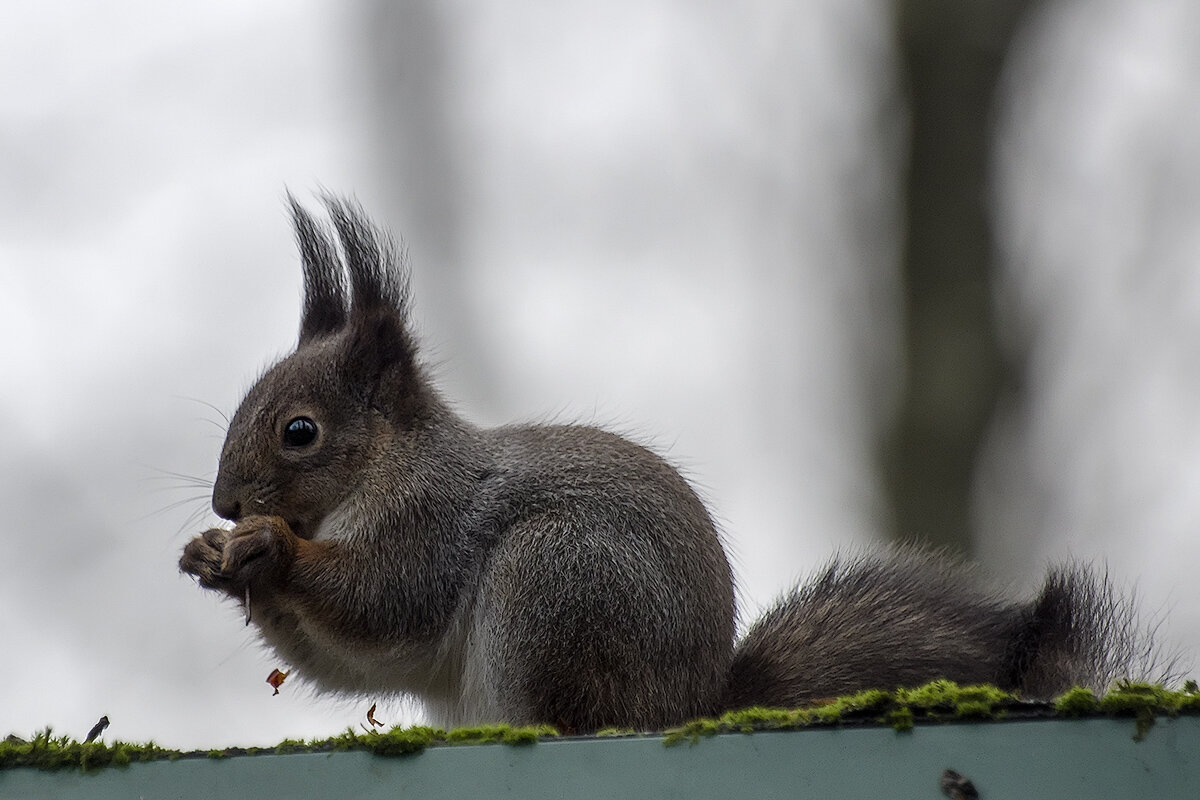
column 664, row 230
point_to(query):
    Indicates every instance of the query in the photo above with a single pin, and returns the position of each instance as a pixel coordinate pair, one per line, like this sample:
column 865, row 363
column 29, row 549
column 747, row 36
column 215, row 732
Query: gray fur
column 905, row 616
column 555, row 574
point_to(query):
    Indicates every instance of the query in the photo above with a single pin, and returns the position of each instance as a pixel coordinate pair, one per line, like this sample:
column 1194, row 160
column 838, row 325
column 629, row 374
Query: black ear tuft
column 354, row 273
column 378, row 278
column 325, row 306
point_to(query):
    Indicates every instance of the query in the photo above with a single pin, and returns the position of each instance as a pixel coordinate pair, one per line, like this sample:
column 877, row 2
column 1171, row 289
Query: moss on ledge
column 946, row 701
column 938, row 701
column 49, row 752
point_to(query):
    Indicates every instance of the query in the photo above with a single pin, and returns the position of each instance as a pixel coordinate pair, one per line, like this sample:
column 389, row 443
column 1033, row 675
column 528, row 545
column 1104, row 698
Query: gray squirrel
column 558, row 573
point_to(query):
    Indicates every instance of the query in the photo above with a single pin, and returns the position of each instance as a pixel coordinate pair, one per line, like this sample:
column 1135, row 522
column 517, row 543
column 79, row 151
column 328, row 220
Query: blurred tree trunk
column 415, row 136
column 418, row 147
column 951, row 54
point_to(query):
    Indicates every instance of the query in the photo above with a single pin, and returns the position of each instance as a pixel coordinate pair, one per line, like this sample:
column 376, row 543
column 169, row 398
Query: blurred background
column 863, row 269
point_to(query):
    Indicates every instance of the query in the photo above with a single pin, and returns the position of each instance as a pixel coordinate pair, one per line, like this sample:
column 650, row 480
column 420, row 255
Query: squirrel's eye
column 300, row 432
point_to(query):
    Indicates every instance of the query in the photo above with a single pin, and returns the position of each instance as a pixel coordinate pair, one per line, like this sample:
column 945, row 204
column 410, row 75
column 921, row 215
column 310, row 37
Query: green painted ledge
column 1084, row 758
column 1136, row 741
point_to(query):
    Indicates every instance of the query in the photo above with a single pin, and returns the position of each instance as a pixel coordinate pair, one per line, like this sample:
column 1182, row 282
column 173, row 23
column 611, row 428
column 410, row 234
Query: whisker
column 180, row 479
column 222, row 428
column 198, row 498
column 178, row 483
column 166, row 473
column 187, row 487
column 193, row 519
column 209, row 405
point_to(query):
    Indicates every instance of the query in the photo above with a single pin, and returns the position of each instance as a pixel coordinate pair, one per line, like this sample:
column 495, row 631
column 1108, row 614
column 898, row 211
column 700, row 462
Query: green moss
column 830, row 714
column 347, row 740
column 691, row 732
column 403, row 741
column 49, row 752
column 1142, row 701
column 870, row 700
column 1130, row 698
column 291, row 746
column 531, row 733
column 900, row 718
column 944, row 700
column 605, row 733
column 507, row 734
column 932, row 695
column 947, row 697
column 120, row 755
column 1077, row 702
column 870, row 703
column 751, row 719
column 976, row 710
column 95, row 755
column 901, row 709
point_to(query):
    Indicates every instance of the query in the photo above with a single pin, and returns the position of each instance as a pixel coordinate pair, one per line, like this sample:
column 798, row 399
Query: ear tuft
column 374, row 263
column 354, row 273
column 324, row 284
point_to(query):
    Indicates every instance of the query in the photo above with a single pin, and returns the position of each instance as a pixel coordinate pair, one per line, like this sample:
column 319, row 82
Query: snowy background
column 672, row 219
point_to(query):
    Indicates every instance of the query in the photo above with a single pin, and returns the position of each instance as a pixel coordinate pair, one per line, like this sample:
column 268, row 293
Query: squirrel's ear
column 381, row 354
column 325, row 304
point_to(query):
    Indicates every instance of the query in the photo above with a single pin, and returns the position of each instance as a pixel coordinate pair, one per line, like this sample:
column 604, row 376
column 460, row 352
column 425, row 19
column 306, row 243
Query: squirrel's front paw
column 202, row 558
column 259, row 550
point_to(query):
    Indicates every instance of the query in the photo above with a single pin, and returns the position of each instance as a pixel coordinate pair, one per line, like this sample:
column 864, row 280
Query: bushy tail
column 1081, row 631
column 908, row 616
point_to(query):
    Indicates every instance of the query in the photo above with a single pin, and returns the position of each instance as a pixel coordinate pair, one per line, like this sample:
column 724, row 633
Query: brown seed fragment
column 276, row 679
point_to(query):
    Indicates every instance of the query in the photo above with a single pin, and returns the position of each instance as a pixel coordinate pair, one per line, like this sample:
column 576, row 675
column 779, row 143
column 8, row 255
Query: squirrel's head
column 302, row 438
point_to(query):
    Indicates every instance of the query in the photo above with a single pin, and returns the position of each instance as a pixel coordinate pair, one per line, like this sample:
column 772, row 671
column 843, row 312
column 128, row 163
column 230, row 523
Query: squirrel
column 559, row 574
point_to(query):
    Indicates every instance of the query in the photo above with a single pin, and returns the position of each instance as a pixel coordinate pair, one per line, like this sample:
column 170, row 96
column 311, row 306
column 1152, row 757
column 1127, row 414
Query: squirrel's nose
column 227, row 509
column 224, row 501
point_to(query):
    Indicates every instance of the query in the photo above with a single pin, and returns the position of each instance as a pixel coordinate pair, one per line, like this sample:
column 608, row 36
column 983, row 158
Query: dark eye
column 300, row 432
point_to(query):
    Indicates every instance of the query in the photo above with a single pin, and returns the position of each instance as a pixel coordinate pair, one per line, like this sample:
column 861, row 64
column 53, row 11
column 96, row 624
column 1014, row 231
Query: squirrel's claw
column 202, row 559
